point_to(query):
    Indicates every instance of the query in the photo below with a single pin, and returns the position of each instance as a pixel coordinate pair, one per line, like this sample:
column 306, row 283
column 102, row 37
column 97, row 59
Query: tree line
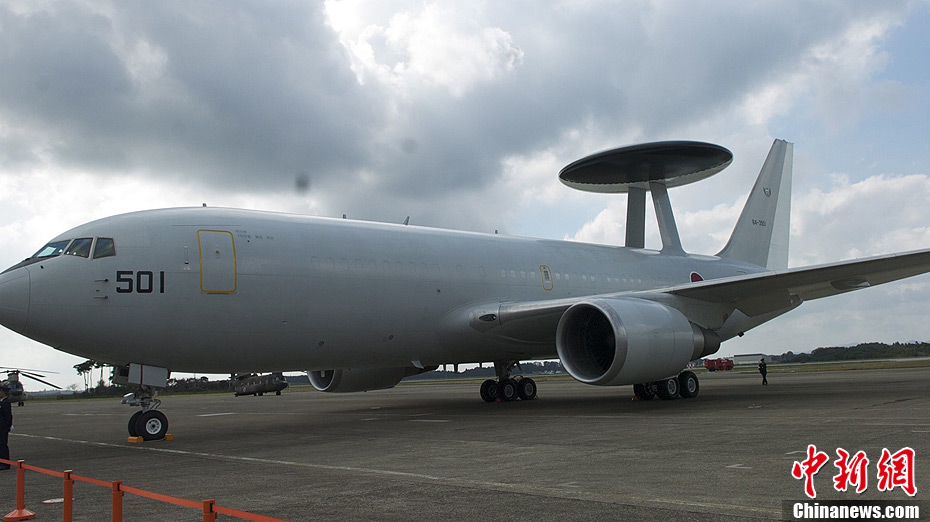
column 863, row 351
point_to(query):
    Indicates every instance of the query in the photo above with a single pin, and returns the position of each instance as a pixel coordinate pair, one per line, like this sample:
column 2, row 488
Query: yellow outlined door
column 217, row 261
column 546, row 275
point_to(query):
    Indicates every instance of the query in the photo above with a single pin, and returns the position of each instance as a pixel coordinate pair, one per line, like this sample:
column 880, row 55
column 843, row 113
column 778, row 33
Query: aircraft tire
column 689, row 385
column 489, row 391
column 526, row 389
column 668, row 389
column 644, row 392
column 152, row 425
column 508, row 390
column 133, row 430
column 277, row 393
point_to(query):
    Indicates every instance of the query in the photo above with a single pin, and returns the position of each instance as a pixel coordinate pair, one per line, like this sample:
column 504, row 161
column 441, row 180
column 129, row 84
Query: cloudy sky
column 460, row 115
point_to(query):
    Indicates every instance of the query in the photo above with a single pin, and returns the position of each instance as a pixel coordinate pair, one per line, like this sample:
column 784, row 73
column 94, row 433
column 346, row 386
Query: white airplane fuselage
column 361, row 305
column 220, row 291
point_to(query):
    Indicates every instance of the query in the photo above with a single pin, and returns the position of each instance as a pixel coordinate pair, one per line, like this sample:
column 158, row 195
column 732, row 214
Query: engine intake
column 610, row 342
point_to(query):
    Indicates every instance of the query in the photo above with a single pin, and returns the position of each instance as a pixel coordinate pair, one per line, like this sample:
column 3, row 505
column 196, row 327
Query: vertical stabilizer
column 761, row 234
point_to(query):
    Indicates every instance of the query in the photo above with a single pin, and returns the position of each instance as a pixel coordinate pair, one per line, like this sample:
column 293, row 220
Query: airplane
column 253, row 384
column 361, row 305
column 17, row 391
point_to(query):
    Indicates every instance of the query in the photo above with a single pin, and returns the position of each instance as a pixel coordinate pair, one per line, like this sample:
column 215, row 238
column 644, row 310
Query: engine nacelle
column 360, row 379
column 610, row 342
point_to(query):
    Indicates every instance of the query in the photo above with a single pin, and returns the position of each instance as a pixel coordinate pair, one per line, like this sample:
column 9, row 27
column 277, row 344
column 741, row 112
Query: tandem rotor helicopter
column 255, row 384
column 17, row 392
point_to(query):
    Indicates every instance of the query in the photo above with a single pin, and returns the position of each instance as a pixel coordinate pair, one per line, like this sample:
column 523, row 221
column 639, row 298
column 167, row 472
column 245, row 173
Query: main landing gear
column 685, row 386
column 506, row 388
column 149, row 423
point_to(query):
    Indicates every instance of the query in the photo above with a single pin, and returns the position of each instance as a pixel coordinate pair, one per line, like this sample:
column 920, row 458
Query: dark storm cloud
column 222, row 92
column 260, row 97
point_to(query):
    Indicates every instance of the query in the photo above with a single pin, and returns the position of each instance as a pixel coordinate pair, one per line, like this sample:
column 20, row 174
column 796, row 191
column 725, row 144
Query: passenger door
column 217, row 261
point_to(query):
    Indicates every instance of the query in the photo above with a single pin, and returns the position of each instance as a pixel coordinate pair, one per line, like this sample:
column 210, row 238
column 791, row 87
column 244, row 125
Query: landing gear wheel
column 526, row 389
column 668, row 389
column 152, row 425
column 508, row 390
column 489, row 391
column 689, row 385
column 133, row 432
column 644, row 391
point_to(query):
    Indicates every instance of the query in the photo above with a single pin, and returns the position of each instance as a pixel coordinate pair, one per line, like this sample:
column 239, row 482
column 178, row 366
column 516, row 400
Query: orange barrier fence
column 210, row 508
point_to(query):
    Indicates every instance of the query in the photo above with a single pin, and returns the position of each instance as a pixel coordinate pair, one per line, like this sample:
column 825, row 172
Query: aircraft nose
column 14, row 299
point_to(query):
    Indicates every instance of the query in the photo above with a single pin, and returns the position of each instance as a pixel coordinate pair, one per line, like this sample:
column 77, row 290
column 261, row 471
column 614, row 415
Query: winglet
column 761, row 233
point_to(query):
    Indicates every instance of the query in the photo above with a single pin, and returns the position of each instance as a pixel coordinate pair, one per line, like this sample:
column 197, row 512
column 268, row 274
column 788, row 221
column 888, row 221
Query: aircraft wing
column 752, row 294
column 756, row 294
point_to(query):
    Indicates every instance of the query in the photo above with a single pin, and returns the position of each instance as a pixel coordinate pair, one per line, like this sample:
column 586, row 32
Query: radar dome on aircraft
column 654, row 167
column 673, row 163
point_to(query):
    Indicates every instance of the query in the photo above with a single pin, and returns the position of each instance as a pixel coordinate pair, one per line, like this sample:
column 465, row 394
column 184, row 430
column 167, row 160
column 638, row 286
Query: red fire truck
column 718, row 364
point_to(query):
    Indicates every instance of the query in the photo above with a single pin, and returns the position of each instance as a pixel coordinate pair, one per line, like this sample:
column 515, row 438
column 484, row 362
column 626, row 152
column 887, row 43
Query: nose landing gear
column 148, row 423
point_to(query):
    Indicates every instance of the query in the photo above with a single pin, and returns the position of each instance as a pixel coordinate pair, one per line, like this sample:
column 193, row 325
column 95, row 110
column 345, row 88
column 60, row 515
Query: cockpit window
column 80, row 247
column 53, row 249
column 105, row 247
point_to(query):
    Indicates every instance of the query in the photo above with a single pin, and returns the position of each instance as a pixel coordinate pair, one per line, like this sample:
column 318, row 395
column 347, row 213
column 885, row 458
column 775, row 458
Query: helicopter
column 17, row 392
column 253, row 384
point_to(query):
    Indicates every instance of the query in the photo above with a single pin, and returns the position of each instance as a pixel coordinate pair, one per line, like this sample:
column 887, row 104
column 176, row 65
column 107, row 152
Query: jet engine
column 610, row 342
column 360, row 379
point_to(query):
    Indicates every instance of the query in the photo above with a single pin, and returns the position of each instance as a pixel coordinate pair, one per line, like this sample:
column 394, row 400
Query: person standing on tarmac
column 763, row 369
column 6, row 424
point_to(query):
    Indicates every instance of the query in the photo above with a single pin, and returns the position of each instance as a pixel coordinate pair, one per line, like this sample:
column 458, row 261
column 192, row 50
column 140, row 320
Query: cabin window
column 105, row 247
column 53, row 249
column 80, row 247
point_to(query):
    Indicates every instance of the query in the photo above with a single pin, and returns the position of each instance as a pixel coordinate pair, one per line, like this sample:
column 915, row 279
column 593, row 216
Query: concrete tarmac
column 437, row 452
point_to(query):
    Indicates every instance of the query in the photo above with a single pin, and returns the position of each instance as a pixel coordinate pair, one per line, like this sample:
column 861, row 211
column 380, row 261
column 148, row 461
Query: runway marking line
column 711, row 505
column 218, row 414
column 237, row 457
column 516, row 488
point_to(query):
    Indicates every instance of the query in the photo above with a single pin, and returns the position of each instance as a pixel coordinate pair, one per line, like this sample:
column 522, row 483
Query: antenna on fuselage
column 654, row 167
